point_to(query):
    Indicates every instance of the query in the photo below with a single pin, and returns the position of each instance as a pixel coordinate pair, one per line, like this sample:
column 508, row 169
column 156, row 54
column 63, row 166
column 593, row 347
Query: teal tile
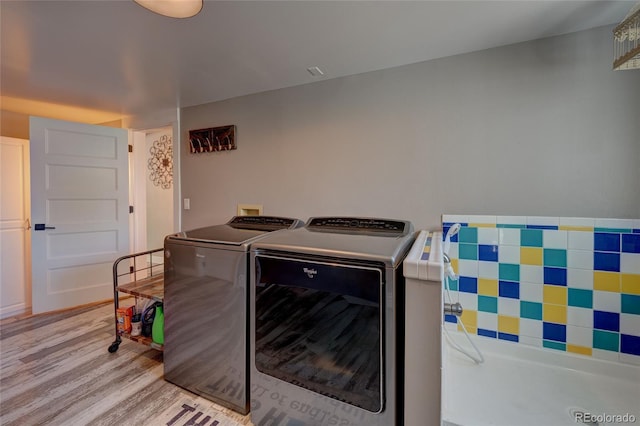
column 509, row 272
column 452, row 284
column 488, row 304
column 468, row 251
column 468, row 235
column 630, row 304
column 508, row 225
column 618, row 230
column 531, row 310
column 580, row 298
column 607, row 340
column 531, row 237
column 554, row 345
column 555, row 257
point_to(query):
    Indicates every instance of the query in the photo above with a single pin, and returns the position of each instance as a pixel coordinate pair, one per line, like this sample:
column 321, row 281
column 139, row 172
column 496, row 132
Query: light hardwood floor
column 55, row 369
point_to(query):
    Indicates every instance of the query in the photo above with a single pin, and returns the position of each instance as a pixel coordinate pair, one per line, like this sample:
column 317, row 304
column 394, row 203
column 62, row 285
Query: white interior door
column 79, row 210
column 15, row 270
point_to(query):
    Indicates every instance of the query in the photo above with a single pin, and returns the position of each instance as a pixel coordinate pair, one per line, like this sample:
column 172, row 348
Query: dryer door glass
column 318, row 326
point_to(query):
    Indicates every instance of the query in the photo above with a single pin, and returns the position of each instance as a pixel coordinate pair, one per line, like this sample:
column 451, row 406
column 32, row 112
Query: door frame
column 26, row 200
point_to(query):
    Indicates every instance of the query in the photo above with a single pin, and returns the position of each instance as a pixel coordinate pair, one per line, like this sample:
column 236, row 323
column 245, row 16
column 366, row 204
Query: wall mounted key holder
column 213, row 139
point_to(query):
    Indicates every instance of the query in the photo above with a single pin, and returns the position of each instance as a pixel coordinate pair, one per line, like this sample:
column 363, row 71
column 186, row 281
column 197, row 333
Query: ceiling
column 115, row 57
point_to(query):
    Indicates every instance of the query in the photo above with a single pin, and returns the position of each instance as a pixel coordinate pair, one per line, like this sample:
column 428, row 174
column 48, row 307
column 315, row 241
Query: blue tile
column 509, row 289
column 451, row 318
column 487, row 333
column 488, row 304
column 636, row 231
column 630, row 344
column 551, row 227
column 508, row 336
column 631, row 243
column 606, row 261
column 468, row 284
column 488, row 253
column 555, row 276
column 557, row 332
column 445, row 229
column 606, row 321
column 606, row 242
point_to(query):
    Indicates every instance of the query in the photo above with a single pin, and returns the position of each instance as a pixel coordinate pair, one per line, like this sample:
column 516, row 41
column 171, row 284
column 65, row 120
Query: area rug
column 191, row 412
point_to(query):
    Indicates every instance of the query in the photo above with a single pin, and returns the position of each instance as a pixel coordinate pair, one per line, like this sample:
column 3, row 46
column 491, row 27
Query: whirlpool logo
column 311, row 273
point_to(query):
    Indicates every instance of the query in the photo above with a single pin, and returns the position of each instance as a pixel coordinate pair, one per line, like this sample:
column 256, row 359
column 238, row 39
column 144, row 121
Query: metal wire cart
column 140, row 275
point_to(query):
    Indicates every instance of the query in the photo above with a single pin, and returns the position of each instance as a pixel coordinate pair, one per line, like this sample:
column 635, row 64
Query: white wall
column 159, row 201
column 538, row 128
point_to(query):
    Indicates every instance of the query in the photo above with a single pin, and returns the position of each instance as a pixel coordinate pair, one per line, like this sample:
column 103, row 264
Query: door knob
column 42, row 227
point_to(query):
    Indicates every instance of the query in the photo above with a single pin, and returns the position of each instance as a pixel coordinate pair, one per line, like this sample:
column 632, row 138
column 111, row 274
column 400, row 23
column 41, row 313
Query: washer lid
column 239, row 230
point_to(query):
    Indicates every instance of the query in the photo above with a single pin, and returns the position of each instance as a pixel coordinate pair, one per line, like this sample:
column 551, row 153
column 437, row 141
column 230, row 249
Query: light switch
column 186, row 204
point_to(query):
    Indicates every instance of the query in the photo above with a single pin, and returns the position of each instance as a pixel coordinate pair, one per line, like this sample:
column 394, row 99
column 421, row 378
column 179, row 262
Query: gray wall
column 542, row 128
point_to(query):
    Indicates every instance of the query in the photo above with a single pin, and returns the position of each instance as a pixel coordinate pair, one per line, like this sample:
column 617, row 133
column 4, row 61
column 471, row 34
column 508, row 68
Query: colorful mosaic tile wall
column 569, row 284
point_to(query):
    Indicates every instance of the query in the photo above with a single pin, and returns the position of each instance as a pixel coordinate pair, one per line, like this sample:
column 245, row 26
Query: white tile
column 606, row 355
column 578, row 221
column 512, row 220
column 630, row 359
column 630, row 263
column 509, row 254
column 554, row 239
column 509, row 236
column 530, row 341
column 454, row 218
column 531, row 292
column 580, row 278
column 450, row 326
column 543, row 221
column 509, row 307
column 530, row 328
column 580, row 259
column 636, row 223
column 468, row 301
column 606, row 301
column 581, row 336
column 488, row 270
column 532, row 273
column 489, row 236
column 484, row 219
column 614, row 223
column 453, row 251
column 580, row 240
column 630, row 324
column 581, row 317
column 467, row 268
column 488, row 321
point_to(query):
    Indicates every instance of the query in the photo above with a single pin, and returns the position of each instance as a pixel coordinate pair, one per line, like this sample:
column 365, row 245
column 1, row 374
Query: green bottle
column 157, row 329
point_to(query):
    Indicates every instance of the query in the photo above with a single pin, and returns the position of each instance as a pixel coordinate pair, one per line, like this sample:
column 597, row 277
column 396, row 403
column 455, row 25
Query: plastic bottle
column 157, row 329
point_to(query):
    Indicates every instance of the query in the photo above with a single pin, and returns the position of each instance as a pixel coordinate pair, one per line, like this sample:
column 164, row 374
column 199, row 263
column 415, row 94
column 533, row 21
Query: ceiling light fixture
column 626, row 41
column 173, row 8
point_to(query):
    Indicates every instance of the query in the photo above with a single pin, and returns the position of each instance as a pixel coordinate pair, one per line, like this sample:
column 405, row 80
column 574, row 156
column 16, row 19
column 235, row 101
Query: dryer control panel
column 357, row 225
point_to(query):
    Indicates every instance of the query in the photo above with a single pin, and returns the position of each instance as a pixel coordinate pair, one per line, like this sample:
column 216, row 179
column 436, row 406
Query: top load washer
column 206, row 307
column 327, row 318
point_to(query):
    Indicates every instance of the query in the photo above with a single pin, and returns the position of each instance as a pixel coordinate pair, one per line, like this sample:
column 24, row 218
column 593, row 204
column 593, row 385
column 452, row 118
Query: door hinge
column 130, row 209
column 130, row 148
column 131, row 270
